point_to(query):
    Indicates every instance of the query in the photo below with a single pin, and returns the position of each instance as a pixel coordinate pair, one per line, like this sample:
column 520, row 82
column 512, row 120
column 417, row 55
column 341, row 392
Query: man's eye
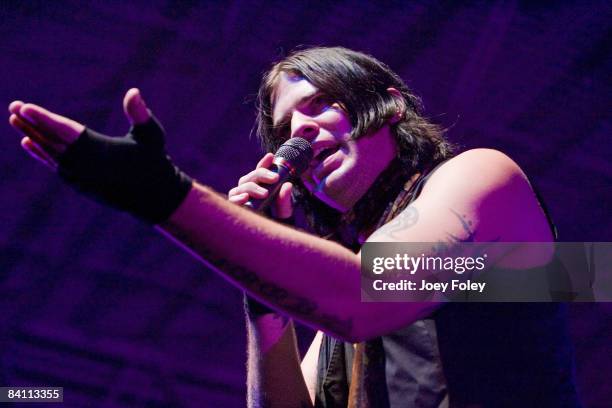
column 321, row 102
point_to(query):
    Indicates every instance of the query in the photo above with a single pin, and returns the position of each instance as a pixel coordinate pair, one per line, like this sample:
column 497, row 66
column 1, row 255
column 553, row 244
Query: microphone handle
column 260, row 205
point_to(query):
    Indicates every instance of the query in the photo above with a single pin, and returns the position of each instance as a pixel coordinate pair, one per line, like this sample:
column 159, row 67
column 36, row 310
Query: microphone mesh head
column 296, row 151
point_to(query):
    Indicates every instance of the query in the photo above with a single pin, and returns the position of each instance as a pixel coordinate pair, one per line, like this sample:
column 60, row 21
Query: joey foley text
column 407, row 265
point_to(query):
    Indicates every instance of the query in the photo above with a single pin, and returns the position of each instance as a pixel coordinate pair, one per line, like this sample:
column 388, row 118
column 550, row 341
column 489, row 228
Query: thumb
column 135, row 108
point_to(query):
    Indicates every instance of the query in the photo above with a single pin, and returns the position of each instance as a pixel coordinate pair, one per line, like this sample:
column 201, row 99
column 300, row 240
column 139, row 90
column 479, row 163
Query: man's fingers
column 51, row 124
column 31, row 147
column 248, row 185
column 135, row 108
column 265, row 161
column 283, row 205
column 260, row 175
column 251, row 188
column 239, row 198
column 50, row 146
column 15, row 106
column 38, row 153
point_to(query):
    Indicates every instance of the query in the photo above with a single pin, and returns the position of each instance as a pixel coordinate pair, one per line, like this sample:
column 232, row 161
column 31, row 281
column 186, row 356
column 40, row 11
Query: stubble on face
column 366, row 158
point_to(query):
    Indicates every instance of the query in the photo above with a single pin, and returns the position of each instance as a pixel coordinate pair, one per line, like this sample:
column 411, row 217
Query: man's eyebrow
column 286, row 116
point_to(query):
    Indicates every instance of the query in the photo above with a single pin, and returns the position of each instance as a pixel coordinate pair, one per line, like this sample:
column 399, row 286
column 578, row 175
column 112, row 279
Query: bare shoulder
column 485, row 157
column 490, row 186
column 479, row 195
column 479, row 178
column 484, row 170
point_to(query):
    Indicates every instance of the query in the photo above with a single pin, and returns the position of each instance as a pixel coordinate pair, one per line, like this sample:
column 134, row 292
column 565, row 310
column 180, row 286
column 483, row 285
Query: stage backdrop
column 100, row 304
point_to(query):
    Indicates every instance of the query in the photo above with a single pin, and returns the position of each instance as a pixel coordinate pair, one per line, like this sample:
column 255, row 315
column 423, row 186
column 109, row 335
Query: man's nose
column 304, row 126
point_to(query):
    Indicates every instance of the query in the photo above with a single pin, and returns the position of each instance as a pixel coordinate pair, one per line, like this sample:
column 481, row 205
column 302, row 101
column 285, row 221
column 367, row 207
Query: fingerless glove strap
column 131, row 173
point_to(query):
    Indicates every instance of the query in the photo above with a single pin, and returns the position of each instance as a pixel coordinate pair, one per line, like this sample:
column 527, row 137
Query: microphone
column 290, row 160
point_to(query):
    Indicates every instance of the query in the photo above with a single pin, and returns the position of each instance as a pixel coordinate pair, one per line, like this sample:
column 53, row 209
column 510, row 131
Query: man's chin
column 333, row 200
column 325, row 192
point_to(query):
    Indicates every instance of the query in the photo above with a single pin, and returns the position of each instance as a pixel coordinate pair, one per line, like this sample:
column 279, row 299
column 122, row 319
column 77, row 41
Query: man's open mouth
column 322, row 155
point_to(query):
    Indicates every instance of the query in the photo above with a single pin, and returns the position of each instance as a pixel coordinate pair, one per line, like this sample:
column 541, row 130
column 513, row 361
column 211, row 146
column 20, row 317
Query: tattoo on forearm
column 296, row 306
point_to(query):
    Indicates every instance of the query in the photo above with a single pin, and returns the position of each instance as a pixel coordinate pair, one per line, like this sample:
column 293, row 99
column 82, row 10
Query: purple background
column 96, row 302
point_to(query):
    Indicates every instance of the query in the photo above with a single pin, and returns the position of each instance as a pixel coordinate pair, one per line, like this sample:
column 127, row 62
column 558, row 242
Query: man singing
column 380, row 173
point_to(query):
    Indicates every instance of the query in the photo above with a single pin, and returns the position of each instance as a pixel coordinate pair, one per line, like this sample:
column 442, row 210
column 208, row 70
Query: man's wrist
column 131, row 173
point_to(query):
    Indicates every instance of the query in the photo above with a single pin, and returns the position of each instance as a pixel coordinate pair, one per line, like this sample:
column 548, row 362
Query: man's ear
column 400, row 103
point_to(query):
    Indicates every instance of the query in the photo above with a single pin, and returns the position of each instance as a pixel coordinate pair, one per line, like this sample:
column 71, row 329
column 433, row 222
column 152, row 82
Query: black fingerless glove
column 131, row 173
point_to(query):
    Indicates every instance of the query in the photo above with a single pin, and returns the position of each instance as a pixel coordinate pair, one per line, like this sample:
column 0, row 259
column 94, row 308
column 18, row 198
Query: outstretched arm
column 309, row 278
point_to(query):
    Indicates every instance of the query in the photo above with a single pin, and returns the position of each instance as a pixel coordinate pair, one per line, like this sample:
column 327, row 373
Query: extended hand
column 47, row 134
column 131, row 173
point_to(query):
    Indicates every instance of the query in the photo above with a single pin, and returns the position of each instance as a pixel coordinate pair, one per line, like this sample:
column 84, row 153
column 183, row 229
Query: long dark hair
column 359, row 83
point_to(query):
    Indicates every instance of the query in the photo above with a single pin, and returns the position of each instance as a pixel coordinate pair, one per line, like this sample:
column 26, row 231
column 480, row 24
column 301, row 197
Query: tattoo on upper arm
column 467, row 226
column 447, row 247
column 406, row 219
column 410, row 216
